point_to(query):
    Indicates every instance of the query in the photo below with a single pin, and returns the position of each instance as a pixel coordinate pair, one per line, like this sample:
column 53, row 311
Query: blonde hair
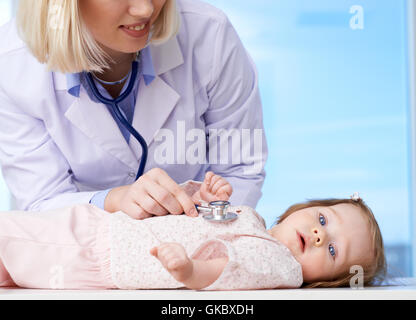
column 56, row 35
column 375, row 272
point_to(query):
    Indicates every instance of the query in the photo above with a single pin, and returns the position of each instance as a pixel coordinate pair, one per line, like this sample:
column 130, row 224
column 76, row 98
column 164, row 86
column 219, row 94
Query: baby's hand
column 174, row 259
column 213, row 188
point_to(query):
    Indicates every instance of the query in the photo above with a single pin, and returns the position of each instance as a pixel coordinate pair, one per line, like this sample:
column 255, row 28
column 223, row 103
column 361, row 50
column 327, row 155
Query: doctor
column 59, row 145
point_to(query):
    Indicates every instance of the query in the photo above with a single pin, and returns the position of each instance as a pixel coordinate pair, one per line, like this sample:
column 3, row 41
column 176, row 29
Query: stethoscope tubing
column 114, row 104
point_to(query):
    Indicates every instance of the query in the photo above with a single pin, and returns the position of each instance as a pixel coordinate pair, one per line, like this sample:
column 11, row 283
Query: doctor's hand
column 153, row 194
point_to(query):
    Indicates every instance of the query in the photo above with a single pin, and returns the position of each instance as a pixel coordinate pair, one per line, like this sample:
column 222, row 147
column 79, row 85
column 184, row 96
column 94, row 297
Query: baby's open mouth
column 301, row 241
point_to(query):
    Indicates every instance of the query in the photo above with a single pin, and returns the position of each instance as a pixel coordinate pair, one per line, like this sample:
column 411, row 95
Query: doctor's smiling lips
column 137, row 30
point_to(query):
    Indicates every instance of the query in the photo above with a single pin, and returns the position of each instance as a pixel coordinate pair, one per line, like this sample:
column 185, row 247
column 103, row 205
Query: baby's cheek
column 314, row 269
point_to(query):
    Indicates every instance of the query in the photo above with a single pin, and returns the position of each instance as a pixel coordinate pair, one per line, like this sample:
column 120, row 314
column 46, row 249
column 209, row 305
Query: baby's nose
column 318, row 237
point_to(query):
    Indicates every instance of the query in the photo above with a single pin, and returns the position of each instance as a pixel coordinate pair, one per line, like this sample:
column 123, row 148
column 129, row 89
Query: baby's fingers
column 215, row 180
column 162, row 251
column 220, row 186
column 203, row 193
column 176, row 263
column 226, row 190
column 153, row 251
column 208, row 177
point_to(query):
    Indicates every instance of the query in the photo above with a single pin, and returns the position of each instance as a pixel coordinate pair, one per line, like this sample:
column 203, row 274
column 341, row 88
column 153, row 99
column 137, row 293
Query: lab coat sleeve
column 235, row 108
column 33, row 167
column 99, row 198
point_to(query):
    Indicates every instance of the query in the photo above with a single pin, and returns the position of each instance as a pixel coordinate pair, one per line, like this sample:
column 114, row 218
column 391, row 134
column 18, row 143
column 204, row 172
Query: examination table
column 399, row 288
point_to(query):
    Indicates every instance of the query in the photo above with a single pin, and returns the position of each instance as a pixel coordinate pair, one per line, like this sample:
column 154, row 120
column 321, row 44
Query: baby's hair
column 374, row 273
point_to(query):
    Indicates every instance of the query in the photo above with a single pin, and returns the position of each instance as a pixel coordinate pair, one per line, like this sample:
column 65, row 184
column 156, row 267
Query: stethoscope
column 114, row 104
column 216, row 211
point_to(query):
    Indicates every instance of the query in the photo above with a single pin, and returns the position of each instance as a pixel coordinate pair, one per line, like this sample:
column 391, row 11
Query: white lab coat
column 57, row 150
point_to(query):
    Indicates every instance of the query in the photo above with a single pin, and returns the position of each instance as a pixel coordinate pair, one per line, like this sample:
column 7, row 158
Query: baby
column 83, row 247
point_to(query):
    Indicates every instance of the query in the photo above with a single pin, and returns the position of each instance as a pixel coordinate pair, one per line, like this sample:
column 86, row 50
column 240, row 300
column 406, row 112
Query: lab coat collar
column 163, row 58
column 73, row 80
column 153, row 106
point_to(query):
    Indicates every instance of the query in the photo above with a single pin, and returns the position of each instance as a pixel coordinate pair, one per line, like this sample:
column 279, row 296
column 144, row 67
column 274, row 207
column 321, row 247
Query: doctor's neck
column 119, row 67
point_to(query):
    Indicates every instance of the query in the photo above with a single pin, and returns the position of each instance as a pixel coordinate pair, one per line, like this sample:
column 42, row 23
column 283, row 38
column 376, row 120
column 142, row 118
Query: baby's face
column 326, row 241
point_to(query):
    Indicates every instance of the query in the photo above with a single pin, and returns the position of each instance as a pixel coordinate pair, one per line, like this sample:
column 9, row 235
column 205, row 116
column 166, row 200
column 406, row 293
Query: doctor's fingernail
column 194, row 213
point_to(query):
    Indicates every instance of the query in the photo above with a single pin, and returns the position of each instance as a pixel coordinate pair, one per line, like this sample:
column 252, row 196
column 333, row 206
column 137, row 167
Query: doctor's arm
column 236, row 111
column 34, row 169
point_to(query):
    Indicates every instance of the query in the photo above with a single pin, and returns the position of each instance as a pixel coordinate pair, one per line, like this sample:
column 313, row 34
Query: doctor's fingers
column 133, row 210
column 163, row 179
column 140, row 195
column 162, row 196
column 150, row 205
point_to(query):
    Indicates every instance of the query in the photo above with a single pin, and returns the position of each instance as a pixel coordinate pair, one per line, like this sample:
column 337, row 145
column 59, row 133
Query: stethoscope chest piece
column 217, row 211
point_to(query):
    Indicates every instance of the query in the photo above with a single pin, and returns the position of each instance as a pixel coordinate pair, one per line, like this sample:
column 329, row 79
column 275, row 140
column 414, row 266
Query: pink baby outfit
column 59, row 249
column 256, row 260
column 84, row 247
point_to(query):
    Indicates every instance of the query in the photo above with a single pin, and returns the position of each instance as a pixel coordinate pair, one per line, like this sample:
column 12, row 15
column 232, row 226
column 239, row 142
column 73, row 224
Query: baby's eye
column 331, row 250
column 322, row 220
